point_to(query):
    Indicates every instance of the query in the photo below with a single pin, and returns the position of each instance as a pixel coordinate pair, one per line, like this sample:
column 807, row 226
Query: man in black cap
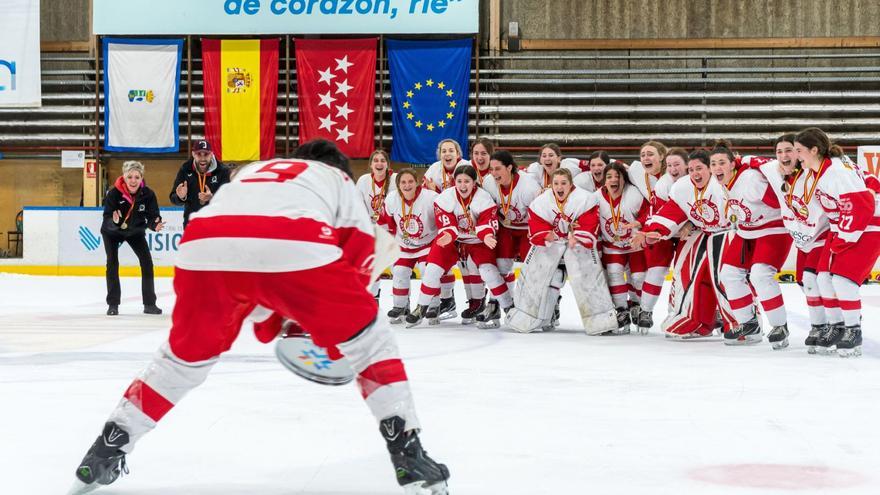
column 198, row 180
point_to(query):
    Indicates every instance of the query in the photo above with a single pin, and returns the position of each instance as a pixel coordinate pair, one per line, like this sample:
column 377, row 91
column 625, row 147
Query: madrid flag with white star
column 336, row 84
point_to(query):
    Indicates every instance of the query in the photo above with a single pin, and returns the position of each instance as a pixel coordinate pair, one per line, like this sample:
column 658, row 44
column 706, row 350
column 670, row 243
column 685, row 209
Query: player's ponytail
column 723, row 147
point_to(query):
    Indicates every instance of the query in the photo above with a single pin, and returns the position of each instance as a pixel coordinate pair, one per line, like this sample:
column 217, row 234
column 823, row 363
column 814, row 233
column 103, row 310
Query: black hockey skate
column 113, row 310
column 397, row 315
column 850, row 343
column 813, row 336
column 634, row 311
column 446, row 310
column 431, row 315
column 104, row 462
column 623, row 321
column 475, row 307
column 645, row 322
column 417, row 473
column 416, row 316
column 746, row 334
column 778, row 337
column 826, row 343
column 490, row 317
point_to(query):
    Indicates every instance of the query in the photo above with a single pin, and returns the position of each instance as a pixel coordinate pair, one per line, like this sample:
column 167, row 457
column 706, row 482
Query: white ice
column 553, row 413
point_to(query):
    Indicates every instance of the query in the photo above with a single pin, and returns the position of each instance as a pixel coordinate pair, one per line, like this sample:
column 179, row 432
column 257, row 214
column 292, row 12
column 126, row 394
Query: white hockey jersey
column 805, row 221
column 442, row 177
column 579, row 214
column 513, row 207
column 372, row 192
column 704, row 208
column 412, row 223
column 646, row 183
column 469, row 220
column 614, row 214
column 852, row 207
column 278, row 216
column 752, row 206
column 586, row 182
column 544, row 180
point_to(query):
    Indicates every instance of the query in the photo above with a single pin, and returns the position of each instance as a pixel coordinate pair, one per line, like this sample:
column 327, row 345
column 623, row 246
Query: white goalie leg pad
column 535, row 276
column 167, row 375
column 545, row 313
column 588, row 282
column 717, row 244
column 375, row 358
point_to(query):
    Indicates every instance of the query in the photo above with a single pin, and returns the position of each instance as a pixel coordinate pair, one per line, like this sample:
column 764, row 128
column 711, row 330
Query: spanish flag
column 241, row 91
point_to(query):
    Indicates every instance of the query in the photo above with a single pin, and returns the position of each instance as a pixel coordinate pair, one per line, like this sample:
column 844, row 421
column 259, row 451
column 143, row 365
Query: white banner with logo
column 80, row 242
column 248, row 17
column 141, row 84
column 20, row 53
column 869, row 159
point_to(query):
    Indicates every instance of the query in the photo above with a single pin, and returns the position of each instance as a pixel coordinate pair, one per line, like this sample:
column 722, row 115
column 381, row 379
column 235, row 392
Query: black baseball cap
column 202, row 146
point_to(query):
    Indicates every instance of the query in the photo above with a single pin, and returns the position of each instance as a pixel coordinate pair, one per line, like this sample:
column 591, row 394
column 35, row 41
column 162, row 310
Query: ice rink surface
column 554, row 413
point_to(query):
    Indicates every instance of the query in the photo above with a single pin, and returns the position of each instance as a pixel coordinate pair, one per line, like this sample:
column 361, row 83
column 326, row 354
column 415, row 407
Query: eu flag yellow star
column 418, row 85
column 451, row 103
column 409, row 94
column 449, row 93
column 442, row 123
column 406, row 104
column 410, row 116
column 429, row 82
column 441, row 85
column 450, row 115
column 419, row 124
column 430, row 127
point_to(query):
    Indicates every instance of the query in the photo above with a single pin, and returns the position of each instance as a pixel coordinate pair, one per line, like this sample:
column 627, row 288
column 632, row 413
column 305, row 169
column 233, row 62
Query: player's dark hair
column 679, row 152
column 621, row 172
column 321, row 150
column 602, row 155
column 486, row 142
column 788, row 137
column 468, row 170
column 700, row 155
column 813, row 136
column 723, row 147
column 506, row 159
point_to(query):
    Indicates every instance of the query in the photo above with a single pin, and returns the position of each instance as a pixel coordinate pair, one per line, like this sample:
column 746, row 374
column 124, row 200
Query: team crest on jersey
column 465, row 224
column 799, row 209
column 622, row 233
column 411, row 226
column 707, row 212
column 738, row 212
column 828, row 203
column 561, row 224
column 513, row 216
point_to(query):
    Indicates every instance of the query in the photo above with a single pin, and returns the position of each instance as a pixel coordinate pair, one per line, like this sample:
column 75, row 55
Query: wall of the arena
column 65, row 20
column 604, row 19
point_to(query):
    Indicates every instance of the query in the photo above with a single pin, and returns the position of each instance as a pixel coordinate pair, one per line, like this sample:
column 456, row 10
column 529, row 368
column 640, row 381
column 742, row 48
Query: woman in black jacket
column 130, row 208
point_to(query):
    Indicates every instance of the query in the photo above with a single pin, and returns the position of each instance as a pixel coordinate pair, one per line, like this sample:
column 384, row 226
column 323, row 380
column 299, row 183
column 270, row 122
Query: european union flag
column 429, row 96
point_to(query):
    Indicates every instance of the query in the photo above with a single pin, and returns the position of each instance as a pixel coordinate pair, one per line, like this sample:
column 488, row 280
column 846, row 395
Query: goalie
column 562, row 226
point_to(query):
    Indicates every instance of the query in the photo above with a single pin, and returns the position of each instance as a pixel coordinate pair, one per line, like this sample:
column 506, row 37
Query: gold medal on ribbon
column 732, row 218
column 505, row 222
column 124, row 226
column 616, row 238
column 804, row 211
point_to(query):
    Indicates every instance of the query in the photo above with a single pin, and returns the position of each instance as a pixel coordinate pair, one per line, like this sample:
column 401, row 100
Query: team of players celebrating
column 726, row 222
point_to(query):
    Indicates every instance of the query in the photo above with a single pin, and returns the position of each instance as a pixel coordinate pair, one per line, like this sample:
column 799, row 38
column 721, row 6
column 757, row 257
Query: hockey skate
column 813, row 336
column 446, row 311
column 397, row 315
column 826, row 343
column 416, row 316
column 475, row 307
column 490, row 317
column 417, row 473
column 645, row 322
column 634, row 311
column 623, row 322
column 554, row 321
column 778, row 337
column 746, row 334
column 432, row 315
column 103, row 463
column 850, row 343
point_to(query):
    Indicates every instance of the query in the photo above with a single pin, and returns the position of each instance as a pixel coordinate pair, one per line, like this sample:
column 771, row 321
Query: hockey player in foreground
column 303, row 248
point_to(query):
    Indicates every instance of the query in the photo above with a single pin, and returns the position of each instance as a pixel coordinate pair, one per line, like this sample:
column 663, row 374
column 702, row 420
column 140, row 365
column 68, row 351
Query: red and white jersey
column 703, row 207
column 573, row 164
column 752, row 206
column 412, row 223
column 280, row 215
column 481, row 174
column 852, row 207
column 805, row 221
column 513, row 207
column 544, row 179
column 646, row 183
column 586, row 182
column 442, row 177
column 662, row 188
column 615, row 213
column 372, row 192
column 468, row 220
column 579, row 214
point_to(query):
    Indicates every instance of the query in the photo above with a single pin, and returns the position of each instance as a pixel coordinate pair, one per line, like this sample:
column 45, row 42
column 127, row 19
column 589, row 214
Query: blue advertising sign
column 217, row 17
